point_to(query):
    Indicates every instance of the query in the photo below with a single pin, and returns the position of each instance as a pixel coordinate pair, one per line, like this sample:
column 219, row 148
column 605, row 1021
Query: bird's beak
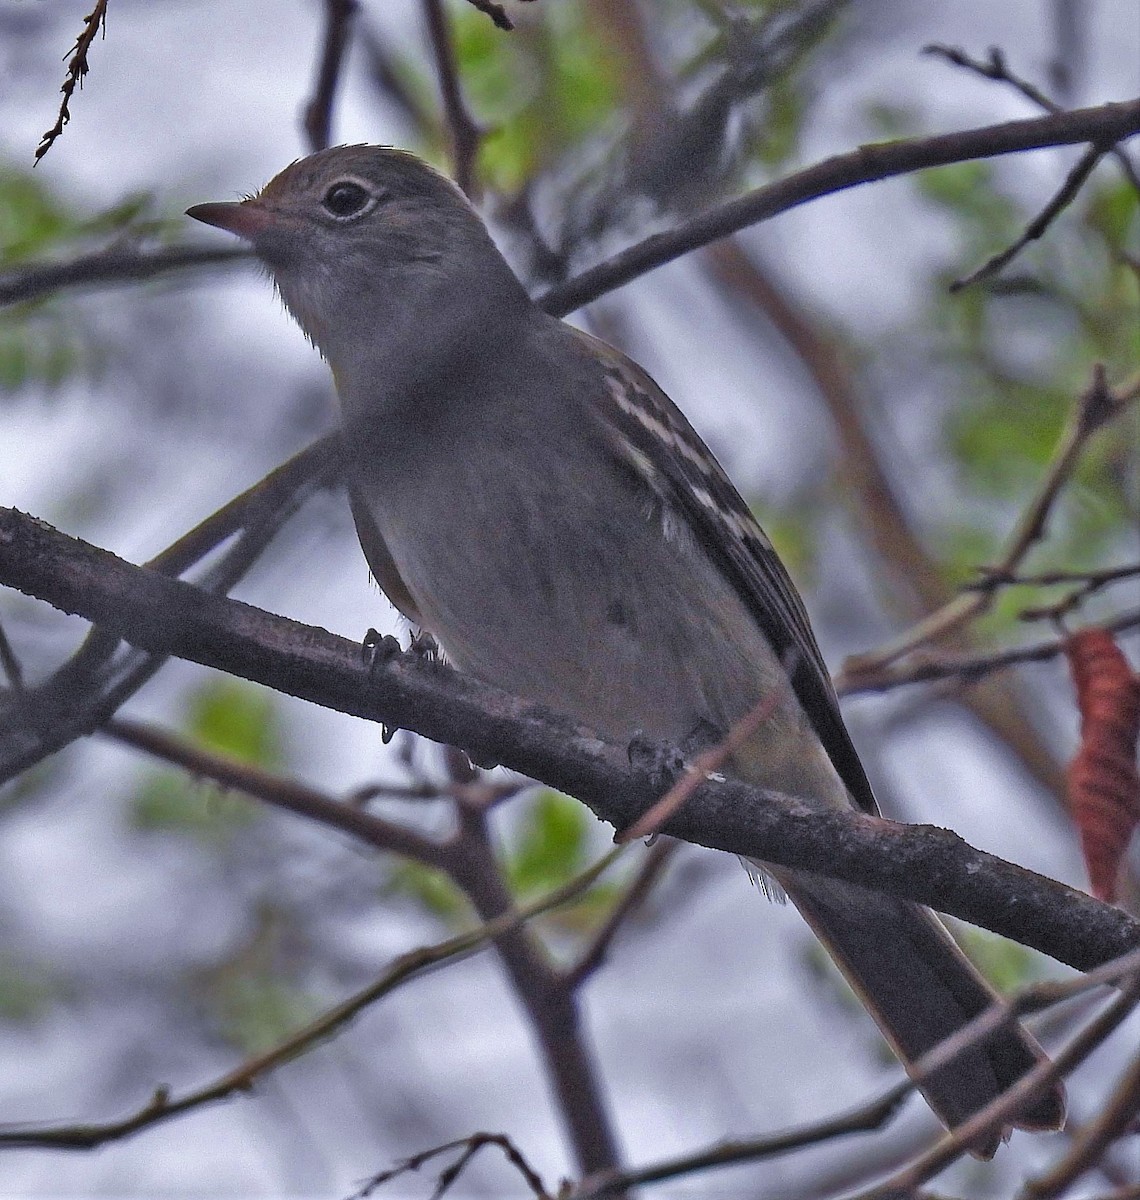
column 248, row 219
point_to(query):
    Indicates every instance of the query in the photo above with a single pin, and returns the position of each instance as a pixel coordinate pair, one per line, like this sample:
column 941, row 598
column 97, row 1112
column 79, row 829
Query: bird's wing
column 380, row 561
column 655, row 439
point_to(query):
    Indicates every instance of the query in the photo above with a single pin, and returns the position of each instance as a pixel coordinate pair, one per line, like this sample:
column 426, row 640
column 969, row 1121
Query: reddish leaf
column 1103, row 784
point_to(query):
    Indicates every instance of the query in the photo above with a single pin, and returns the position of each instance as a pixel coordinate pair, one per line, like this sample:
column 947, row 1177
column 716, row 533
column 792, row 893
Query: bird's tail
column 921, row 988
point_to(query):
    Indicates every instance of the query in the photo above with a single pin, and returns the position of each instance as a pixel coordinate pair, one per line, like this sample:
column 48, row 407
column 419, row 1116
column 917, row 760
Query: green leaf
column 784, row 117
column 237, row 719
column 1007, row 965
column 231, row 718
column 432, row 890
column 538, row 92
column 31, row 218
column 257, row 1010
column 1113, row 211
column 168, row 801
column 792, row 530
column 966, row 190
column 26, row 991
column 551, row 846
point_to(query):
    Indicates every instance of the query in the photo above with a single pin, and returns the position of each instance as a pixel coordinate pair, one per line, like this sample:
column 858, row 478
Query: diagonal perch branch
column 932, row 866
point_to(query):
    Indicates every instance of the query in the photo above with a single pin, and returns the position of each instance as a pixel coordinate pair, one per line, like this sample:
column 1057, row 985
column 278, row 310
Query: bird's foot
column 657, row 761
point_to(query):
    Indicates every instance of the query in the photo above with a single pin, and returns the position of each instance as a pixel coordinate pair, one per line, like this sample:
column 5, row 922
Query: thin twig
column 999, row 1111
column 241, row 1079
column 385, row 72
column 866, row 1118
column 77, row 68
column 463, row 128
column 966, row 668
column 631, row 900
column 470, row 1146
column 317, row 121
column 996, row 68
column 495, row 11
column 1093, row 579
column 117, row 264
column 1091, row 410
column 1036, row 228
column 276, row 790
column 1090, row 1145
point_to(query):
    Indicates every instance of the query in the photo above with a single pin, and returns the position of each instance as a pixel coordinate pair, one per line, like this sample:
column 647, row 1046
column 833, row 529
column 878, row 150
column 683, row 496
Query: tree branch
column 464, row 130
column 241, row 1079
column 929, row 865
column 277, row 790
column 867, row 164
column 77, row 68
column 317, row 121
column 998, row 69
column 116, row 264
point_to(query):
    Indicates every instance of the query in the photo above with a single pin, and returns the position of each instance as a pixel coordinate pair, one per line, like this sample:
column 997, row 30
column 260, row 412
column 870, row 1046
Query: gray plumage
column 531, row 497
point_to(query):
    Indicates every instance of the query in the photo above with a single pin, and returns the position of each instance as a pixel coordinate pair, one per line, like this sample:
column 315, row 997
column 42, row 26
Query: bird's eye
column 345, row 200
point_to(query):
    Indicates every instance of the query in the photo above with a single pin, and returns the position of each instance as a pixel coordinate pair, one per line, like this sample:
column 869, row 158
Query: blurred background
column 155, row 931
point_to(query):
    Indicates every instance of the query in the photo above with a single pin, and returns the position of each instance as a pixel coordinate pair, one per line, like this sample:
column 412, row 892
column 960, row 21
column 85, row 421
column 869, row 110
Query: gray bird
column 529, row 496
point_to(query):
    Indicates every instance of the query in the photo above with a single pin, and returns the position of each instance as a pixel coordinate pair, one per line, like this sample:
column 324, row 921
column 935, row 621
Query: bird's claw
column 659, row 762
column 376, row 649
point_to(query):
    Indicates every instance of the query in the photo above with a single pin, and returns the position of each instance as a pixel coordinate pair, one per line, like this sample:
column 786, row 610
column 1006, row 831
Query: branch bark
column 1103, row 125
column 932, row 866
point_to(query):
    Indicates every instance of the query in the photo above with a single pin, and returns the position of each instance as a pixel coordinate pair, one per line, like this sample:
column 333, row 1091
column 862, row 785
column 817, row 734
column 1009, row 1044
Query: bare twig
column 117, row 264
column 631, row 900
column 1096, row 406
column 496, row 12
column 925, row 864
column 1089, row 1146
column 864, row 1119
column 1092, row 580
column 384, row 71
column 928, row 668
column 996, row 68
column 241, row 1079
column 317, row 121
column 77, row 68
column 462, row 126
column 469, row 1147
column 999, row 1111
column 882, row 160
column 276, row 790
column 1036, row 228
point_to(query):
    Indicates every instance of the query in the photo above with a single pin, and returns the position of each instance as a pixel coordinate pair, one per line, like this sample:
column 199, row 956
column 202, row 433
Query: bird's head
column 366, row 242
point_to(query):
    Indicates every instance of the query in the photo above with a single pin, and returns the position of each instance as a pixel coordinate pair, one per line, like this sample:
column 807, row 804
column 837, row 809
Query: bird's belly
column 552, row 599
